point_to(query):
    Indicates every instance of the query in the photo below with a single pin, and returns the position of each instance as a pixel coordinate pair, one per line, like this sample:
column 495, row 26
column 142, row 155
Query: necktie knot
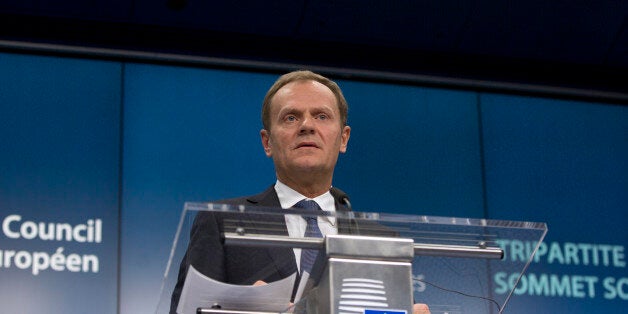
column 307, row 204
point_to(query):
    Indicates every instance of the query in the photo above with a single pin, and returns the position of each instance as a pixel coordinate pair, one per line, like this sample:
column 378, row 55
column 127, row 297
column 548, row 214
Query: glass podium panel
column 456, row 265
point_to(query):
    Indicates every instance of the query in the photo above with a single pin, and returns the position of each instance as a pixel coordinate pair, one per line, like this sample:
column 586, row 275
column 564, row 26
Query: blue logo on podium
column 367, row 311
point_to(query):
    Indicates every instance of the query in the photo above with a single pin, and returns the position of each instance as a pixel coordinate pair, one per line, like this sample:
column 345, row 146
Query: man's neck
column 310, row 189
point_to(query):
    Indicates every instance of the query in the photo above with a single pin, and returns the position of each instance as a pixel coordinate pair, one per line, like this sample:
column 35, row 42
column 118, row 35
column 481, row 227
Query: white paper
column 302, row 285
column 202, row 291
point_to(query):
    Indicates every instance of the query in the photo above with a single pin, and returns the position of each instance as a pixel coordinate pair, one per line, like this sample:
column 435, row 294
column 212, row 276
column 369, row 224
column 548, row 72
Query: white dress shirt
column 297, row 224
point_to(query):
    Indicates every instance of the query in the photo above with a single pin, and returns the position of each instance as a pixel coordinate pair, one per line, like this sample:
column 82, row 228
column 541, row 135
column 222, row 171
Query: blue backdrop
column 127, row 144
column 59, row 164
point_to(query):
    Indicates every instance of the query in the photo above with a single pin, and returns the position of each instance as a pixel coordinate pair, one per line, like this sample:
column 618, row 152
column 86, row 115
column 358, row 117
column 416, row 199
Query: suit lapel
column 269, row 198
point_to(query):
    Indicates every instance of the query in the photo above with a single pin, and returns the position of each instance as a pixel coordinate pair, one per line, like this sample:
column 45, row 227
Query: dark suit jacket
column 235, row 264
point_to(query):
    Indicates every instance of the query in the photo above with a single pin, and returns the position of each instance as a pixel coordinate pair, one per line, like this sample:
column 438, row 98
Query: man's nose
column 307, row 125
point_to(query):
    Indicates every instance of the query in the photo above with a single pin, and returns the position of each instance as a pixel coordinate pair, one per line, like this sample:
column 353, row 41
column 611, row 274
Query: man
column 304, row 116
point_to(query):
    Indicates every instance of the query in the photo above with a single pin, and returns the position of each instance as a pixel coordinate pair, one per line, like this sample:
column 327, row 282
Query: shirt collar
column 288, row 197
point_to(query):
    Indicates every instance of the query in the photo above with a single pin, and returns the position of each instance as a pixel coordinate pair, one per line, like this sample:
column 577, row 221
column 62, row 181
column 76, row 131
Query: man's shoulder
column 241, row 200
column 266, row 198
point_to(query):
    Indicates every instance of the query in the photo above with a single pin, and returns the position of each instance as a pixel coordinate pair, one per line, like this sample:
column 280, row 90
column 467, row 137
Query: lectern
column 376, row 263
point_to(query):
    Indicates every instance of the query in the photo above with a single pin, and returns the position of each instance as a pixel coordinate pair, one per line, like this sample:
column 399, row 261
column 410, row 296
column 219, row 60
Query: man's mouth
column 307, row 144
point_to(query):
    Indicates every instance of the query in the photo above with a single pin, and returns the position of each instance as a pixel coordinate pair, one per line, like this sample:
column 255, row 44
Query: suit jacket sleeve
column 205, row 252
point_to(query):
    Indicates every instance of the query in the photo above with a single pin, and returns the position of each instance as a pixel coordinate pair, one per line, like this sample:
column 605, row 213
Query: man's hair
column 304, row 75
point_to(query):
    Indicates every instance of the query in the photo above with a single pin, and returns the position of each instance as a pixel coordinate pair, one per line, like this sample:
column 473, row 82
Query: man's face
column 306, row 133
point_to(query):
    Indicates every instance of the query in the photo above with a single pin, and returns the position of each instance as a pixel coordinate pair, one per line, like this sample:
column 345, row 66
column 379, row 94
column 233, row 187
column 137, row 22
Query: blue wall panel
column 564, row 163
column 59, row 152
column 412, row 150
column 189, row 135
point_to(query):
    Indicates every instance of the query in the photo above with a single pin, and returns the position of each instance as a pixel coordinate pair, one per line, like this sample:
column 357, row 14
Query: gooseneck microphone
column 343, row 199
column 341, row 196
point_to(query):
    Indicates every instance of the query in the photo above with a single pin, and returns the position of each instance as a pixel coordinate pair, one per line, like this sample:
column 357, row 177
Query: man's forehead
column 288, row 90
column 289, row 87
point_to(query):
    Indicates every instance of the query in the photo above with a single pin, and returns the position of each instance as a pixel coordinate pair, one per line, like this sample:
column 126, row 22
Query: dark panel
column 106, row 10
column 273, row 18
column 426, row 25
column 557, row 31
column 562, row 44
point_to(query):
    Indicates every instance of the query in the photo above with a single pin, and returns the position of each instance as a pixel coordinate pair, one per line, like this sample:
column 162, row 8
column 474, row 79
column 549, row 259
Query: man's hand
column 420, row 308
column 261, row 283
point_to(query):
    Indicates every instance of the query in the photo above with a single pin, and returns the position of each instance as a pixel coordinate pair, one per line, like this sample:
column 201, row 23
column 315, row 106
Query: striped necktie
column 308, row 256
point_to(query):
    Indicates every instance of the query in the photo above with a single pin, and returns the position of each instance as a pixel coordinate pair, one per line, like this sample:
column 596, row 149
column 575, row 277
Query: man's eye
column 322, row 116
column 291, row 118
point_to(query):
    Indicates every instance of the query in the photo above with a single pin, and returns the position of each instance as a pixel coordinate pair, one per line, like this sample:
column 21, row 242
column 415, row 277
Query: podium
column 376, row 263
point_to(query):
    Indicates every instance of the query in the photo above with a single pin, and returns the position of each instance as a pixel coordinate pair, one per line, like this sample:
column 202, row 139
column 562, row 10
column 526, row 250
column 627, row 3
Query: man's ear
column 265, row 135
column 344, row 138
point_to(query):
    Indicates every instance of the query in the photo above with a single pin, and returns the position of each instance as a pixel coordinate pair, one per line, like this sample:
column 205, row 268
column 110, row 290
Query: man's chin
column 309, row 166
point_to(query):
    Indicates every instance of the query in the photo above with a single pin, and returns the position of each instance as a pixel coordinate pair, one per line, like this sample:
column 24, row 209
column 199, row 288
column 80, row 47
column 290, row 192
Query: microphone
column 343, row 199
column 341, row 196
